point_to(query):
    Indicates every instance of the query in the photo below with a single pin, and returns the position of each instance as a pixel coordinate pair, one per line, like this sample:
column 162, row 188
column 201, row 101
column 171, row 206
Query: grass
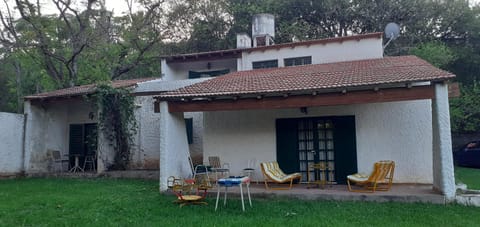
column 468, row 176
column 110, row 202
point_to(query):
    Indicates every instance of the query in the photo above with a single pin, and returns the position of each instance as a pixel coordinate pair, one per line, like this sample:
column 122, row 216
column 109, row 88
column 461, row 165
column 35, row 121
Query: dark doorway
column 83, row 143
column 328, row 140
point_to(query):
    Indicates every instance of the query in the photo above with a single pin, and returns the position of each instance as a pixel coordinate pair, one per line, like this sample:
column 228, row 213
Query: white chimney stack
column 243, row 41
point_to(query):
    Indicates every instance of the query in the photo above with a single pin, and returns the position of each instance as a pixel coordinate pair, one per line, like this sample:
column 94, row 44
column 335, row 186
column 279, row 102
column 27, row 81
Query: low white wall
column 399, row 131
column 11, row 140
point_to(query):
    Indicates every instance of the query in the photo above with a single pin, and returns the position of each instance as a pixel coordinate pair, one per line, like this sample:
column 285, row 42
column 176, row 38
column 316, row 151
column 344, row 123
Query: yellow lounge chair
column 272, row 172
column 380, row 179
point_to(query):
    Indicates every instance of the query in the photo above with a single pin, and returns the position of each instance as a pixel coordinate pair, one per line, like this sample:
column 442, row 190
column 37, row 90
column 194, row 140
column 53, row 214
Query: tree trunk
column 18, row 74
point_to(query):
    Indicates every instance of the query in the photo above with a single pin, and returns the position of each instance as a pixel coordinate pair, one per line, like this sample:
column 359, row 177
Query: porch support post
column 105, row 151
column 34, row 144
column 174, row 150
column 443, row 176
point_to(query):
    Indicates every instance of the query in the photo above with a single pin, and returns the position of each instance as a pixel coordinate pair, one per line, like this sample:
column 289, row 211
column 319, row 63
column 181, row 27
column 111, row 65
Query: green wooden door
column 83, row 141
column 287, row 154
column 345, row 147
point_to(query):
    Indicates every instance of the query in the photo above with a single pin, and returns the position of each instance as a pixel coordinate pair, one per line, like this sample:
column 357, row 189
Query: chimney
column 243, row 41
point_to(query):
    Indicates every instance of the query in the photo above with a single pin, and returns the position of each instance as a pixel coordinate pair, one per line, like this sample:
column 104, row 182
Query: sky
column 117, row 6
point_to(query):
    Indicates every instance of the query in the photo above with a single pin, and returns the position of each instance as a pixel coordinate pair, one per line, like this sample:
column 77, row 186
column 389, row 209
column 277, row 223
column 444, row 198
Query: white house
column 337, row 100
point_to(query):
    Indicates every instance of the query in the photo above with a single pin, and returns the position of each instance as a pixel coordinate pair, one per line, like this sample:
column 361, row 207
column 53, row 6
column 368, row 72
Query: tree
column 200, row 25
column 57, row 39
column 465, row 110
column 435, row 52
column 76, row 43
column 27, row 78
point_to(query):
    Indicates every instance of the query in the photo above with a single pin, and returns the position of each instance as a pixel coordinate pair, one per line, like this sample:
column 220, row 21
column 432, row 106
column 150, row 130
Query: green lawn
column 110, row 202
column 468, row 176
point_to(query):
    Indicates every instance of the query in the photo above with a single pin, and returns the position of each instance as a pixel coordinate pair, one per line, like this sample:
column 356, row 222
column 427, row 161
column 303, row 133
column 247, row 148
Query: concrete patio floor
column 398, row 193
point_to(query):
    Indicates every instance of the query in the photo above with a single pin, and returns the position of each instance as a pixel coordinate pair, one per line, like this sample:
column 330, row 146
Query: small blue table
column 230, row 182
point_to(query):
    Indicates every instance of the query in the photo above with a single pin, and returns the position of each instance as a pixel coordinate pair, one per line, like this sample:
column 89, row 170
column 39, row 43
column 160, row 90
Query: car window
column 472, row 146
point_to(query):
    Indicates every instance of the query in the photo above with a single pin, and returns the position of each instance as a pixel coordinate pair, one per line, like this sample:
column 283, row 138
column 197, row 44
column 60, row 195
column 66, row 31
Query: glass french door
column 330, row 141
column 316, row 145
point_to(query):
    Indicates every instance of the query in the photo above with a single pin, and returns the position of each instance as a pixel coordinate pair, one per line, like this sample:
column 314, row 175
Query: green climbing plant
column 116, row 120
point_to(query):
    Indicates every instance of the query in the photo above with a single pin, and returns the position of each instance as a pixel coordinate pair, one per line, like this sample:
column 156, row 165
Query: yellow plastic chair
column 380, row 179
column 272, row 172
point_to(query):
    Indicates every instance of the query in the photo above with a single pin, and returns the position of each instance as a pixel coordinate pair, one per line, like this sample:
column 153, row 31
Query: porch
column 407, row 193
column 323, row 114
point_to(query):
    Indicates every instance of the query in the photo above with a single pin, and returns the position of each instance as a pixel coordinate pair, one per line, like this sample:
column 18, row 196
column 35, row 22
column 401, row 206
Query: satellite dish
column 392, row 30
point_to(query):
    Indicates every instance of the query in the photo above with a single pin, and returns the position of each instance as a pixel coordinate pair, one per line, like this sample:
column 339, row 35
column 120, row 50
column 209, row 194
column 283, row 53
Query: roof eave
column 290, row 92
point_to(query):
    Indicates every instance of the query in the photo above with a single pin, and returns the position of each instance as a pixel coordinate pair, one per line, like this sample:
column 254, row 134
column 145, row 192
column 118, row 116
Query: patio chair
column 217, row 167
column 90, row 161
column 272, row 172
column 250, row 170
column 188, row 192
column 380, row 179
column 58, row 161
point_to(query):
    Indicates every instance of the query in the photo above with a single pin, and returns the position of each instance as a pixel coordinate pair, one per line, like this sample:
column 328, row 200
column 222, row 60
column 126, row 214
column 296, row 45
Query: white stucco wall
column 330, row 52
column 147, row 142
column 321, row 53
column 399, row 131
column 11, row 140
column 179, row 70
column 145, row 153
column 48, row 129
column 196, row 148
column 35, row 152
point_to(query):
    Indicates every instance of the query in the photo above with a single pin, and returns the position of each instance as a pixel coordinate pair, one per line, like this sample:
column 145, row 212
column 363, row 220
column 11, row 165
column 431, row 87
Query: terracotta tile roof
column 85, row 89
column 235, row 53
column 318, row 77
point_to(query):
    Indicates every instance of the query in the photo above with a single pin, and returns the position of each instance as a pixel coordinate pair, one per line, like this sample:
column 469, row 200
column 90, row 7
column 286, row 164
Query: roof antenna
column 392, row 31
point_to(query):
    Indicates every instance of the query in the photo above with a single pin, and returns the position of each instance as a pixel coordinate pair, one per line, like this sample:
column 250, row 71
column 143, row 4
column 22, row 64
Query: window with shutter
column 189, row 129
column 265, row 64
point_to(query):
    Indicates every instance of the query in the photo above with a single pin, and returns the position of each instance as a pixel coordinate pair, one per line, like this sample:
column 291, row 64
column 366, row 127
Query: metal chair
column 217, row 167
column 57, row 161
column 250, row 170
column 90, row 160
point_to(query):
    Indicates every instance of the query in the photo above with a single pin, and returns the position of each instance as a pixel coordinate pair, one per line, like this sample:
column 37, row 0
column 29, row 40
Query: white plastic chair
column 250, row 170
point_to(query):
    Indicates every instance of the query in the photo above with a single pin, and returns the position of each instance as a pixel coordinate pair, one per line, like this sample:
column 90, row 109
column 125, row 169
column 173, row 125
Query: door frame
column 344, row 142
